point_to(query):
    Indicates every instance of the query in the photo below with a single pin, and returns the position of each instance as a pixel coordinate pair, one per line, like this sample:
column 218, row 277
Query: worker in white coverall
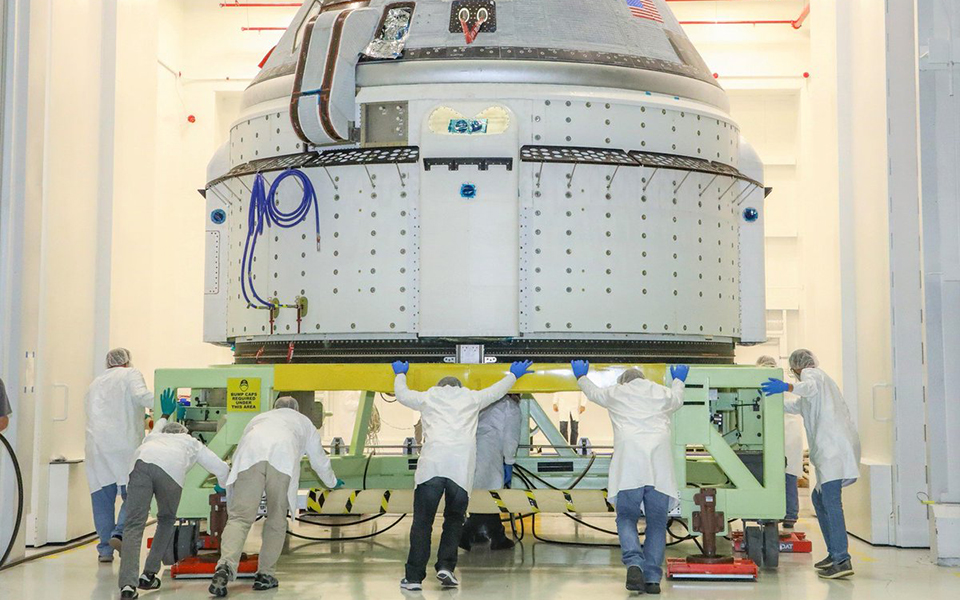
column 793, row 448
column 569, row 406
column 267, row 461
column 446, row 467
column 115, row 409
column 834, row 452
column 160, row 466
column 642, row 479
column 498, row 437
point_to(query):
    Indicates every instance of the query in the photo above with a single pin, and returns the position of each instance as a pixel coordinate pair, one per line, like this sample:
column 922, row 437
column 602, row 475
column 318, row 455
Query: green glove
column 168, row 402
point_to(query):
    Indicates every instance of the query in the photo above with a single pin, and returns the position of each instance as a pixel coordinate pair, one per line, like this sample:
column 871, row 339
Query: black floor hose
column 16, row 524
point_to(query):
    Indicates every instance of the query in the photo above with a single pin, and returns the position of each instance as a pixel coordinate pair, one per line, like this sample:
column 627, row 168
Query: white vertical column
column 14, row 38
column 906, row 294
column 938, row 40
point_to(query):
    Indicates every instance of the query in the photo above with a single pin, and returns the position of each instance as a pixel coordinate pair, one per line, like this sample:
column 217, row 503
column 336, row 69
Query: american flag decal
column 644, row 9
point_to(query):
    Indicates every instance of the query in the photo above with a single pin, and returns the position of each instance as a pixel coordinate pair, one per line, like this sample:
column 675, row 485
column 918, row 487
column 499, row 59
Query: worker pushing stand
column 642, row 478
column 159, row 468
column 834, row 452
column 446, row 466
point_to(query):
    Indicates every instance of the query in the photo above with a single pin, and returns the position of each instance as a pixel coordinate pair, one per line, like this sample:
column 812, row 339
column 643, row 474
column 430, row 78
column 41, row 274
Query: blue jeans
column 649, row 556
column 828, row 503
column 105, row 520
column 793, row 499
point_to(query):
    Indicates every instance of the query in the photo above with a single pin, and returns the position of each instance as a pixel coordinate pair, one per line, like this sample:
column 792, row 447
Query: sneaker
column 837, row 571
column 128, row 591
column 652, row 588
column 105, row 558
column 789, row 524
column 446, row 579
column 411, row 586
column 503, row 543
column 824, row 564
column 149, row 581
column 635, row 579
column 116, row 542
column 218, row 585
column 265, row 582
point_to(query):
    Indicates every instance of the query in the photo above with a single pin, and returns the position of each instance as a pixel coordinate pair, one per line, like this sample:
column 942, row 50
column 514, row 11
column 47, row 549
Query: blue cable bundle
column 265, row 212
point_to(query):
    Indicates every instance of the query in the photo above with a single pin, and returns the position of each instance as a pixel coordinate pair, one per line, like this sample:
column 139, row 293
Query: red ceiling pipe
column 795, row 23
column 260, row 4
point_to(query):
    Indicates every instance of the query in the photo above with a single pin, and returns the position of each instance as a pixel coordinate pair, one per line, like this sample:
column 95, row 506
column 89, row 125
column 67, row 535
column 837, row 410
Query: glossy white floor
column 373, row 568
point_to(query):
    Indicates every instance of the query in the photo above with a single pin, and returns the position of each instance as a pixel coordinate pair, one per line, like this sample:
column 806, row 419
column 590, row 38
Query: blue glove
column 521, row 368
column 400, row 367
column 772, row 387
column 507, row 475
column 339, row 485
column 679, row 372
column 580, row 368
column 168, row 401
column 181, row 412
column 219, row 489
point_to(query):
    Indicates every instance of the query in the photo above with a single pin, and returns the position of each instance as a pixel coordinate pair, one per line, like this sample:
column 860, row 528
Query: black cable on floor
column 533, row 528
column 347, row 539
column 17, row 521
column 350, row 524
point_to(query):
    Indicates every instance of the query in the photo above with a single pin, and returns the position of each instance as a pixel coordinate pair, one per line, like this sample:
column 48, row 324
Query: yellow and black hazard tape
column 342, row 501
column 532, row 498
column 500, row 504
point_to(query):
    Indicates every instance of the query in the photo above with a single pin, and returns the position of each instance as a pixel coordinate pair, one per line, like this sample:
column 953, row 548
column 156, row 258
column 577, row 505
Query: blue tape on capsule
column 468, row 191
column 218, row 216
column 750, row 215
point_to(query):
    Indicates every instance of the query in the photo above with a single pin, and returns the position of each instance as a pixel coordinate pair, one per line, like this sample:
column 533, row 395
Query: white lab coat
column 640, row 412
column 793, row 443
column 568, row 405
column 498, row 437
column 115, row 426
column 450, row 416
column 176, row 453
column 831, row 434
column 281, row 437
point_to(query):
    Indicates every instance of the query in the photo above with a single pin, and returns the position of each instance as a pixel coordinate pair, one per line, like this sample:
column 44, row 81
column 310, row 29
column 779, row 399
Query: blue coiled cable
column 264, row 211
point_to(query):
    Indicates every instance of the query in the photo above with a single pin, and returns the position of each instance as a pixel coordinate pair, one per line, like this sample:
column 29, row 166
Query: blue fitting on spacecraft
column 218, row 216
column 750, row 215
column 468, row 191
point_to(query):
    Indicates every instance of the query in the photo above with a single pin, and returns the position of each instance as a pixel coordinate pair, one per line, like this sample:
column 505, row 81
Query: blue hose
column 264, row 211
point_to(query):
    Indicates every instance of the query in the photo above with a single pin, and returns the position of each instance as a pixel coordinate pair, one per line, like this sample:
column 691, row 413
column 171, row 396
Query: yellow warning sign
column 243, row 394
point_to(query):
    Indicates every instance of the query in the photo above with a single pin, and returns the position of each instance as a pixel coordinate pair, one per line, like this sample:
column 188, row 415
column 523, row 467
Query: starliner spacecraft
column 535, row 178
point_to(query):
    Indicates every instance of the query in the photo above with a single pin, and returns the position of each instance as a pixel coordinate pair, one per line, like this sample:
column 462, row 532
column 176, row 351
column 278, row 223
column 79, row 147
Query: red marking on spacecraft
column 470, row 33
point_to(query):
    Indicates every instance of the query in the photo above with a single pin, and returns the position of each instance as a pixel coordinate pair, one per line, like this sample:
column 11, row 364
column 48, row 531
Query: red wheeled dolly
column 710, row 566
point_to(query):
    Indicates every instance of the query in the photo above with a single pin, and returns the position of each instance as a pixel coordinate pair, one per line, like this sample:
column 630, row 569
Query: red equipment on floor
column 710, row 565
column 795, row 542
column 202, row 566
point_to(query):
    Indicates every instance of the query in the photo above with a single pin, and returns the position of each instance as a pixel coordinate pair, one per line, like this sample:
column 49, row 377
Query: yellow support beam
column 547, row 378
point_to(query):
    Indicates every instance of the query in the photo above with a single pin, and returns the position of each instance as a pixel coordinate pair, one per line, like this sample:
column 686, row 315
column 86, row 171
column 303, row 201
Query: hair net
column 175, row 428
column 449, row 382
column 118, row 357
column 630, row 375
column 287, row 402
column 803, row 359
column 767, row 361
